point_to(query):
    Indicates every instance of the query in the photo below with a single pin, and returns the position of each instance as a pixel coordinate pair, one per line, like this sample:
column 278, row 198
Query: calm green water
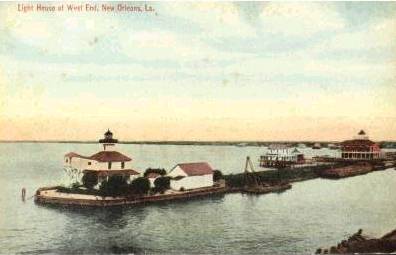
column 313, row 214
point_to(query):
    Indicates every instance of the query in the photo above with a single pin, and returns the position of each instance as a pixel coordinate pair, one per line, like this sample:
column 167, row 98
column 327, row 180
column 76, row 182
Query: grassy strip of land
column 276, row 176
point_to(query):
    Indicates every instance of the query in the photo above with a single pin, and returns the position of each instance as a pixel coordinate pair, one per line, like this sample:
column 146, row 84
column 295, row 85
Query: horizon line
column 182, row 141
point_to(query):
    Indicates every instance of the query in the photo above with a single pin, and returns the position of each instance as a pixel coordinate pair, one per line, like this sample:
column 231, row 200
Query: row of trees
column 118, row 185
column 159, row 171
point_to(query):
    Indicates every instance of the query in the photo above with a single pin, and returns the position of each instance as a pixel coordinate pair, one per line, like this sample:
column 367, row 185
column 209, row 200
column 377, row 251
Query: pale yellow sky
column 200, row 71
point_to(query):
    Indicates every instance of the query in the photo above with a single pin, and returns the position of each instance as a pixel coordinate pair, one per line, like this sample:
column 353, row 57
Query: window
column 122, row 165
column 89, row 163
column 109, row 165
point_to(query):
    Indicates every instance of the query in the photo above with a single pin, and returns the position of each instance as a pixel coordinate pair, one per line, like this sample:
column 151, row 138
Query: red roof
column 359, row 145
column 153, row 175
column 358, row 142
column 193, row 169
column 102, row 156
column 75, row 155
column 109, row 156
column 112, row 172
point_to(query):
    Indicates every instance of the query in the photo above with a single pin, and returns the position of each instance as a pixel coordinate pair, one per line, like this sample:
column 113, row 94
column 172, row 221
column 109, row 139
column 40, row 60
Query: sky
column 200, row 71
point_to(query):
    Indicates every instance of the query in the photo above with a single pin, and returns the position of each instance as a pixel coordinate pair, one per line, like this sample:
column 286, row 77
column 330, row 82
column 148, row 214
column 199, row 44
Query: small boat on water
column 316, row 146
column 267, row 189
column 301, row 146
column 347, row 171
column 333, row 146
column 241, row 144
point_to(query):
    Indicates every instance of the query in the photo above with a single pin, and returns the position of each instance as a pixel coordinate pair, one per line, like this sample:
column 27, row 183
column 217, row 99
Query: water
column 312, row 214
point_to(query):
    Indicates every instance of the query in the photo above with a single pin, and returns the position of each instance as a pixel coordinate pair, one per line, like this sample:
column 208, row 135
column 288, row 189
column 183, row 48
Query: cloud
column 376, row 36
column 215, row 19
column 300, row 20
column 61, row 34
column 198, row 65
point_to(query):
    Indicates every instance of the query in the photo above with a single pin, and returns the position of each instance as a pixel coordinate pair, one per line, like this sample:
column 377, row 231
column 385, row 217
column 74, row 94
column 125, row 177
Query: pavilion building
column 281, row 155
column 360, row 148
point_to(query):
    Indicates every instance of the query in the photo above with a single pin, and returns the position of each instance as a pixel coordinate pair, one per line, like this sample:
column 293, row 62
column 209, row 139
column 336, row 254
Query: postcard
column 208, row 127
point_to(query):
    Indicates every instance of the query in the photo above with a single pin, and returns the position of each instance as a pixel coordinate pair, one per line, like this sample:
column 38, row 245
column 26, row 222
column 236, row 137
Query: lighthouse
column 108, row 141
column 103, row 164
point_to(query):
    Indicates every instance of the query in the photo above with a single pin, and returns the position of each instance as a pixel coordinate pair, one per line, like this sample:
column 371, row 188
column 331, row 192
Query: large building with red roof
column 188, row 176
column 104, row 163
column 360, row 148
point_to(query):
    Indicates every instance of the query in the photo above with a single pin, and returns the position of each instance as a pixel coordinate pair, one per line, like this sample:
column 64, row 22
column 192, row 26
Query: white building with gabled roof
column 187, row 176
column 104, row 163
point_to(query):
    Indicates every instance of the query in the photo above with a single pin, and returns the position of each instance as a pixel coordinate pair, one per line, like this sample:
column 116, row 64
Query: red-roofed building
column 191, row 176
column 151, row 177
column 360, row 148
column 103, row 163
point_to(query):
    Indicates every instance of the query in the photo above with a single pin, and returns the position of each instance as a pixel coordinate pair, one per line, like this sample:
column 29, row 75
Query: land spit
column 272, row 180
column 51, row 195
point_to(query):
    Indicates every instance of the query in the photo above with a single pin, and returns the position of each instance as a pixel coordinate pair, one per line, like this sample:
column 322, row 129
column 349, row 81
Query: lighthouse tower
column 103, row 164
column 108, row 141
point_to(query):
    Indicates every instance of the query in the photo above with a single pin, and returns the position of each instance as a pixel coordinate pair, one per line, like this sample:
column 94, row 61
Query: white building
column 191, row 176
column 280, row 154
column 103, row 163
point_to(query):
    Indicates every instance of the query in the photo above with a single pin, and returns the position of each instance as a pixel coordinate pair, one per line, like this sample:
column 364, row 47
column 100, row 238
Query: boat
column 333, row 146
column 316, row 146
column 347, row 171
column 301, row 146
column 267, row 189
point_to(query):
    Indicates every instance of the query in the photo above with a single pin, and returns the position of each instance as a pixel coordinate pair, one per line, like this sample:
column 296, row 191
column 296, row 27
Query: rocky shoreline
column 359, row 243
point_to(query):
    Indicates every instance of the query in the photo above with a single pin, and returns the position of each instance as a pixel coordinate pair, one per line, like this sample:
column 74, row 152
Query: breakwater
column 359, row 243
column 332, row 170
column 273, row 177
column 51, row 195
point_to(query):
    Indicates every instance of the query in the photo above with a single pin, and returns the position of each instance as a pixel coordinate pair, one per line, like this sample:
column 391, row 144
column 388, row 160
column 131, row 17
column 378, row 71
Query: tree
column 89, row 180
column 140, row 186
column 162, row 184
column 114, row 186
column 159, row 171
column 217, row 175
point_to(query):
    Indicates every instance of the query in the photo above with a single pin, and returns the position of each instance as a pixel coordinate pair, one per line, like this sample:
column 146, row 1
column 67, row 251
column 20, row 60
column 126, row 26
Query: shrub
column 114, row 186
column 161, row 184
column 159, row 171
column 217, row 175
column 89, row 180
column 75, row 185
column 140, row 186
